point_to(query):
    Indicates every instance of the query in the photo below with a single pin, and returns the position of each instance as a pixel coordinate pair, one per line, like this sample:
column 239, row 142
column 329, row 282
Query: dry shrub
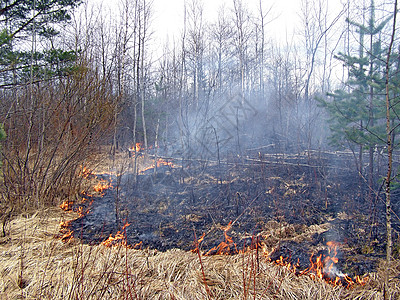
column 53, row 128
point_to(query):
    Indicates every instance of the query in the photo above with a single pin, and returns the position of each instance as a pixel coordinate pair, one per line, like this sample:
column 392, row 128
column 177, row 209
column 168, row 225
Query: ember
column 67, row 205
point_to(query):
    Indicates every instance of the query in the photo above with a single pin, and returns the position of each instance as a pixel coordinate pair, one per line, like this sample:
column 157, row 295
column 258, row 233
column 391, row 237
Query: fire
column 86, row 173
column 197, row 242
column 102, row 185
column 67, row 236
column 112, row 241
column 138, row 245
column 226, row 247
column 285, row 262
column 201, row 239
column 160, row 162
column 136, row 148
column 67, row 205
column 82, row 212
column 323, row 267
column 119, row 238
column 65, row 224
column 65, row 231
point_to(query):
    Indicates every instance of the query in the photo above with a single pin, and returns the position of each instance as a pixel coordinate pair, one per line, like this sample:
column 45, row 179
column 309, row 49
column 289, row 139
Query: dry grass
column 35, row 265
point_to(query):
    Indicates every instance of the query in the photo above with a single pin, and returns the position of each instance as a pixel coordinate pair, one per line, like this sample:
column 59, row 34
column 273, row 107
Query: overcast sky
column 169, row 14
column 284, row 16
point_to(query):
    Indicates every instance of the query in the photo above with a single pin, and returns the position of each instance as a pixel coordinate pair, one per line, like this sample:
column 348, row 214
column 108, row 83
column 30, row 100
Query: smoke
column 234, row 123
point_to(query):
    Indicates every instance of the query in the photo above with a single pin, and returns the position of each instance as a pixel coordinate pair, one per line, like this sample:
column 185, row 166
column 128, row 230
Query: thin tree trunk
column 142, row 74
column 389, row 134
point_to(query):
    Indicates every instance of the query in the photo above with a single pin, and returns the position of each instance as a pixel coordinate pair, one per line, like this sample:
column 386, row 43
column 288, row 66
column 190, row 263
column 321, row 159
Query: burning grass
column 35, row 265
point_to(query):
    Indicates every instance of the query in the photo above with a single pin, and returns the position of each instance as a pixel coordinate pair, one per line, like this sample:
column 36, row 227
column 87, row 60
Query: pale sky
column 170, row 13
column 168, row 16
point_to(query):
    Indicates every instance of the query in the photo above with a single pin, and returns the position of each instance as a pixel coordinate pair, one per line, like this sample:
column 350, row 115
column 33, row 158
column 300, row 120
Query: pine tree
column 20, row 23
column 356, row 113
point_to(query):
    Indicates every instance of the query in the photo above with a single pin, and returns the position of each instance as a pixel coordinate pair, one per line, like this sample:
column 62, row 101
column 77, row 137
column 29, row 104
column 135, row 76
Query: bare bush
column 52, row 129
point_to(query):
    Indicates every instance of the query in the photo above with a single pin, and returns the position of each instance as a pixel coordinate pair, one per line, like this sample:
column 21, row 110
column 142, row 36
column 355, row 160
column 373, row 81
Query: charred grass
column 303, row 211
column 36, row 265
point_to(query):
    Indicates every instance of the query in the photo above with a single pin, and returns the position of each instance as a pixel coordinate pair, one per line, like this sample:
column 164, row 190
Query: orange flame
column 125, row 225
column 67, row 236
column 66, row 205
column 323, row 267
column 65, row 224
column 65, row 231
column 160, row 162
column 83, row 212
column 113, row 241
column 102, row 185
column 227, row 247
column 118, row 239
column 85, row 172
column 138, row 245
column 201, row 238
column 197, row 243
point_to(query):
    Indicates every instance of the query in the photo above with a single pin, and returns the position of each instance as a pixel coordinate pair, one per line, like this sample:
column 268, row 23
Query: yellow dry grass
column 35, row 265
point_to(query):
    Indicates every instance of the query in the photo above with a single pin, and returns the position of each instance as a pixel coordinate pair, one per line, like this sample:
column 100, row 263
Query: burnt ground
column 293, row 205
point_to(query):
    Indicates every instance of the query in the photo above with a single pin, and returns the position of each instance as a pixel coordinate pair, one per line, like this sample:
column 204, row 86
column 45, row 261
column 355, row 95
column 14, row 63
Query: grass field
column 36, row 265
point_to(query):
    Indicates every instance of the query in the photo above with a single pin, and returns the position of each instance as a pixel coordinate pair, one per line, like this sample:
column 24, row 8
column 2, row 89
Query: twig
column 196, row 242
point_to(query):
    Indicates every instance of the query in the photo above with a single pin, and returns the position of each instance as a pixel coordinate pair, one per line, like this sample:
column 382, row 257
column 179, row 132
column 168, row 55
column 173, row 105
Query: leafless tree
column 241, row 40
column 317, row 26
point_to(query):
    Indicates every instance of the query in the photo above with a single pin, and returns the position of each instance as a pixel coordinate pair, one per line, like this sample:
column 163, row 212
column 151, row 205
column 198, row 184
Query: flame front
column 65, row 231
column 159, row 163
column 323, row 267
column 118, row 239
column 102, row 185
column 227, row 247
column 67, row 205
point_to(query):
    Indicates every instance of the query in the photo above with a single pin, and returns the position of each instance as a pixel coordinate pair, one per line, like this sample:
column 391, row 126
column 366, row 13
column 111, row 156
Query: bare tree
column 195, row 47
column 241, row 40
column 220, row 35
column 316, row 28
